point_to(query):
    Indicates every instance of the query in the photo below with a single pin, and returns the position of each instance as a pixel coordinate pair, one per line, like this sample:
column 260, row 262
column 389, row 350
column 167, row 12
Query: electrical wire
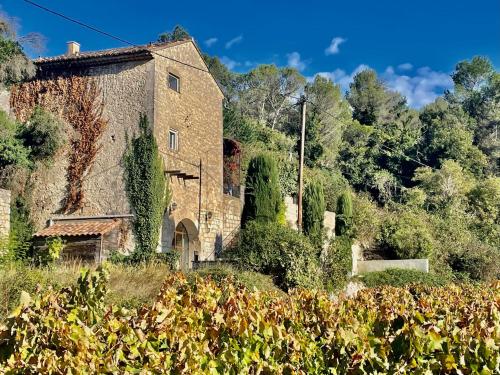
column 93, row 28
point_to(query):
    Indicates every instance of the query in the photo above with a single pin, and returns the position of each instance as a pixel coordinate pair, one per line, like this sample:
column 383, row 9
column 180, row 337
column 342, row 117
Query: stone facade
column 232, row 218
column 4, row 213
column 195, row 113
column 130, row 87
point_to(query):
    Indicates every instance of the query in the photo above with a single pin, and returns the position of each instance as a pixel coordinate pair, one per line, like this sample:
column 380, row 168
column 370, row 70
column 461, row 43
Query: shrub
column 343, row 217
column 170, row 259
column 337, row 265
column 55, row 246
column 221, row 273
column 12, row 151
column 314, row 212
column 366, row 219
column 278, row 251
column 406, row 235
column 401, row 278
column 262, row 192
column 477, row 262
column 43, row 134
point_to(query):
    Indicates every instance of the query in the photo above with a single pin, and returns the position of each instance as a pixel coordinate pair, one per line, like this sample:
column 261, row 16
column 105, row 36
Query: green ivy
column 147, row 189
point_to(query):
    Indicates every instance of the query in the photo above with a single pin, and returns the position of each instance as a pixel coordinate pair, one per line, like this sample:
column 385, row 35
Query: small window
column 173, row 82
column 173, row 140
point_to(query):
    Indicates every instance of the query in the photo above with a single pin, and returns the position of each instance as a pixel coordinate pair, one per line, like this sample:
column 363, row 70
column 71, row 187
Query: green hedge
column 400, row 278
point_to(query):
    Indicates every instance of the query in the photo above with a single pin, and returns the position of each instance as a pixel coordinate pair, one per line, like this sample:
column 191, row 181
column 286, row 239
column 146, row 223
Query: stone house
column 170, row 83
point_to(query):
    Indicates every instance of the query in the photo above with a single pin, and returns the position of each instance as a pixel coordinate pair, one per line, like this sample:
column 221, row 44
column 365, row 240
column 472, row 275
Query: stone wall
column 365, row 266
column 195, row 112
column 127, row 91
column 4, row 213
column 291, row 217
column 232, row 218
column 5, row 100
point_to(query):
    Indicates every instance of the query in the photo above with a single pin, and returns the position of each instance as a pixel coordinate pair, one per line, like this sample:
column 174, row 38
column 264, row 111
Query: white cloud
column 333, row 48
column 210, row 42
column 342, row 78
column 419, row 89
column 229, row 63
column 405, row 66
column 294, row 61
column 234, row 41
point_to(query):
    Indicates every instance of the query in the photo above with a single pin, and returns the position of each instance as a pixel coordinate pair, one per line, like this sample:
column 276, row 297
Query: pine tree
column 262, row 192
column 314, row 212
column 343, row 217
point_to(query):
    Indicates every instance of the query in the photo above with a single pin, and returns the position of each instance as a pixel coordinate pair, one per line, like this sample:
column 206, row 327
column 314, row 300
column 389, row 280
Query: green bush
column 12, row 150
column 478, row 262
column 279, row 251
column 262, row 192
column 406, row 235
column 333, row 185
column 314, row 212
column 343, row 217
column 337, row 264
column 170, row 259
column 367, row 218
column 220, row 273
column 43, row 134
column 401, row 278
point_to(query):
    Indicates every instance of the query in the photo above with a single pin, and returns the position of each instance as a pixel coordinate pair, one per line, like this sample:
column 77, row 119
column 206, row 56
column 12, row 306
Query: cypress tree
column 343, row 217
column 314, row 211
column 262, row 191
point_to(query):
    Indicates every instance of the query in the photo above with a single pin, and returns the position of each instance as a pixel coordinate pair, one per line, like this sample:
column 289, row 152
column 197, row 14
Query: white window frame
column 175, row 133
column 178, row 82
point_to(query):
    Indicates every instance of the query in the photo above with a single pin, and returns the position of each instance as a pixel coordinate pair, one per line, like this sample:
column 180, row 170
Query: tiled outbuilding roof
column 112, row 54
column 85, row 228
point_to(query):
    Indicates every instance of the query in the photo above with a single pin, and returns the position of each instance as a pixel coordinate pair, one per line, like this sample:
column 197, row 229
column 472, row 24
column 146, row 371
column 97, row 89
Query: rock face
column 4, row 213
column 132, row 82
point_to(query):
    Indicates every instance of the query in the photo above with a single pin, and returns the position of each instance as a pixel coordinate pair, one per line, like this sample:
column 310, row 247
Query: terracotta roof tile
column 86, row 228
column 109, row 53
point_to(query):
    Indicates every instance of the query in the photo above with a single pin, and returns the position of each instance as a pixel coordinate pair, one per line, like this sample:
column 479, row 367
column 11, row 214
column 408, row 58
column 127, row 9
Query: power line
column 80, row 23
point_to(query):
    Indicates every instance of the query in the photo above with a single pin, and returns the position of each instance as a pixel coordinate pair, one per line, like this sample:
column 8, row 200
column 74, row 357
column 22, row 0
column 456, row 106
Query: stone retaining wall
column 4, row 213
column 365, row 266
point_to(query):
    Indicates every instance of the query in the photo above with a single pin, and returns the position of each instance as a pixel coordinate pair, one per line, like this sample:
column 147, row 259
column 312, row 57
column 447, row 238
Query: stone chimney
column 73, row 48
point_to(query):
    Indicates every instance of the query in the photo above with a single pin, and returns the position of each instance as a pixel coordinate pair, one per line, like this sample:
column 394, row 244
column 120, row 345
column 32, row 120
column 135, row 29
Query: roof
column 113, row 55
column 86, row 228
column 109, row 55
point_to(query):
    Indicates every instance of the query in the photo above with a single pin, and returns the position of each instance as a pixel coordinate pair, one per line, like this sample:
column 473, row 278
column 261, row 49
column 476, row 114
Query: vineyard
column 202, row 326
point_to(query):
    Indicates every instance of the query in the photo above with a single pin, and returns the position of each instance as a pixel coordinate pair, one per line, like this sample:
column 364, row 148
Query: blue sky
column 413, row 45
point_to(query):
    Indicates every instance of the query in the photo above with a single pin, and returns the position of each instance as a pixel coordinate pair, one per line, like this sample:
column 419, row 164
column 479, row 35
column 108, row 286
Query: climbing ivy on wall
column 77, row 100
column 147, row 189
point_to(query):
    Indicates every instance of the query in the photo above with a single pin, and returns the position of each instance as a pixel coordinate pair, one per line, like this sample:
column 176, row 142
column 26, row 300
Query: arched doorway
column 186, row 243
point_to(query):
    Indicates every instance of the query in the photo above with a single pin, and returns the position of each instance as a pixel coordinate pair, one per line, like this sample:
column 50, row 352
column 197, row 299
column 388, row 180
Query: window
column 173, row 140
column 173, row 82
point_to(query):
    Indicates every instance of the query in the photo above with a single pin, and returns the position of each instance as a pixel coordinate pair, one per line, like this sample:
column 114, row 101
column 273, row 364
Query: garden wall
column 4, row 213
column 365, row 266
column 291, row 217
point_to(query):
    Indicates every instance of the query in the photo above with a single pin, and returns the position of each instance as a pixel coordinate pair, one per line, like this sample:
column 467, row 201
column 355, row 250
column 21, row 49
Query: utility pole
column 301, row 161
